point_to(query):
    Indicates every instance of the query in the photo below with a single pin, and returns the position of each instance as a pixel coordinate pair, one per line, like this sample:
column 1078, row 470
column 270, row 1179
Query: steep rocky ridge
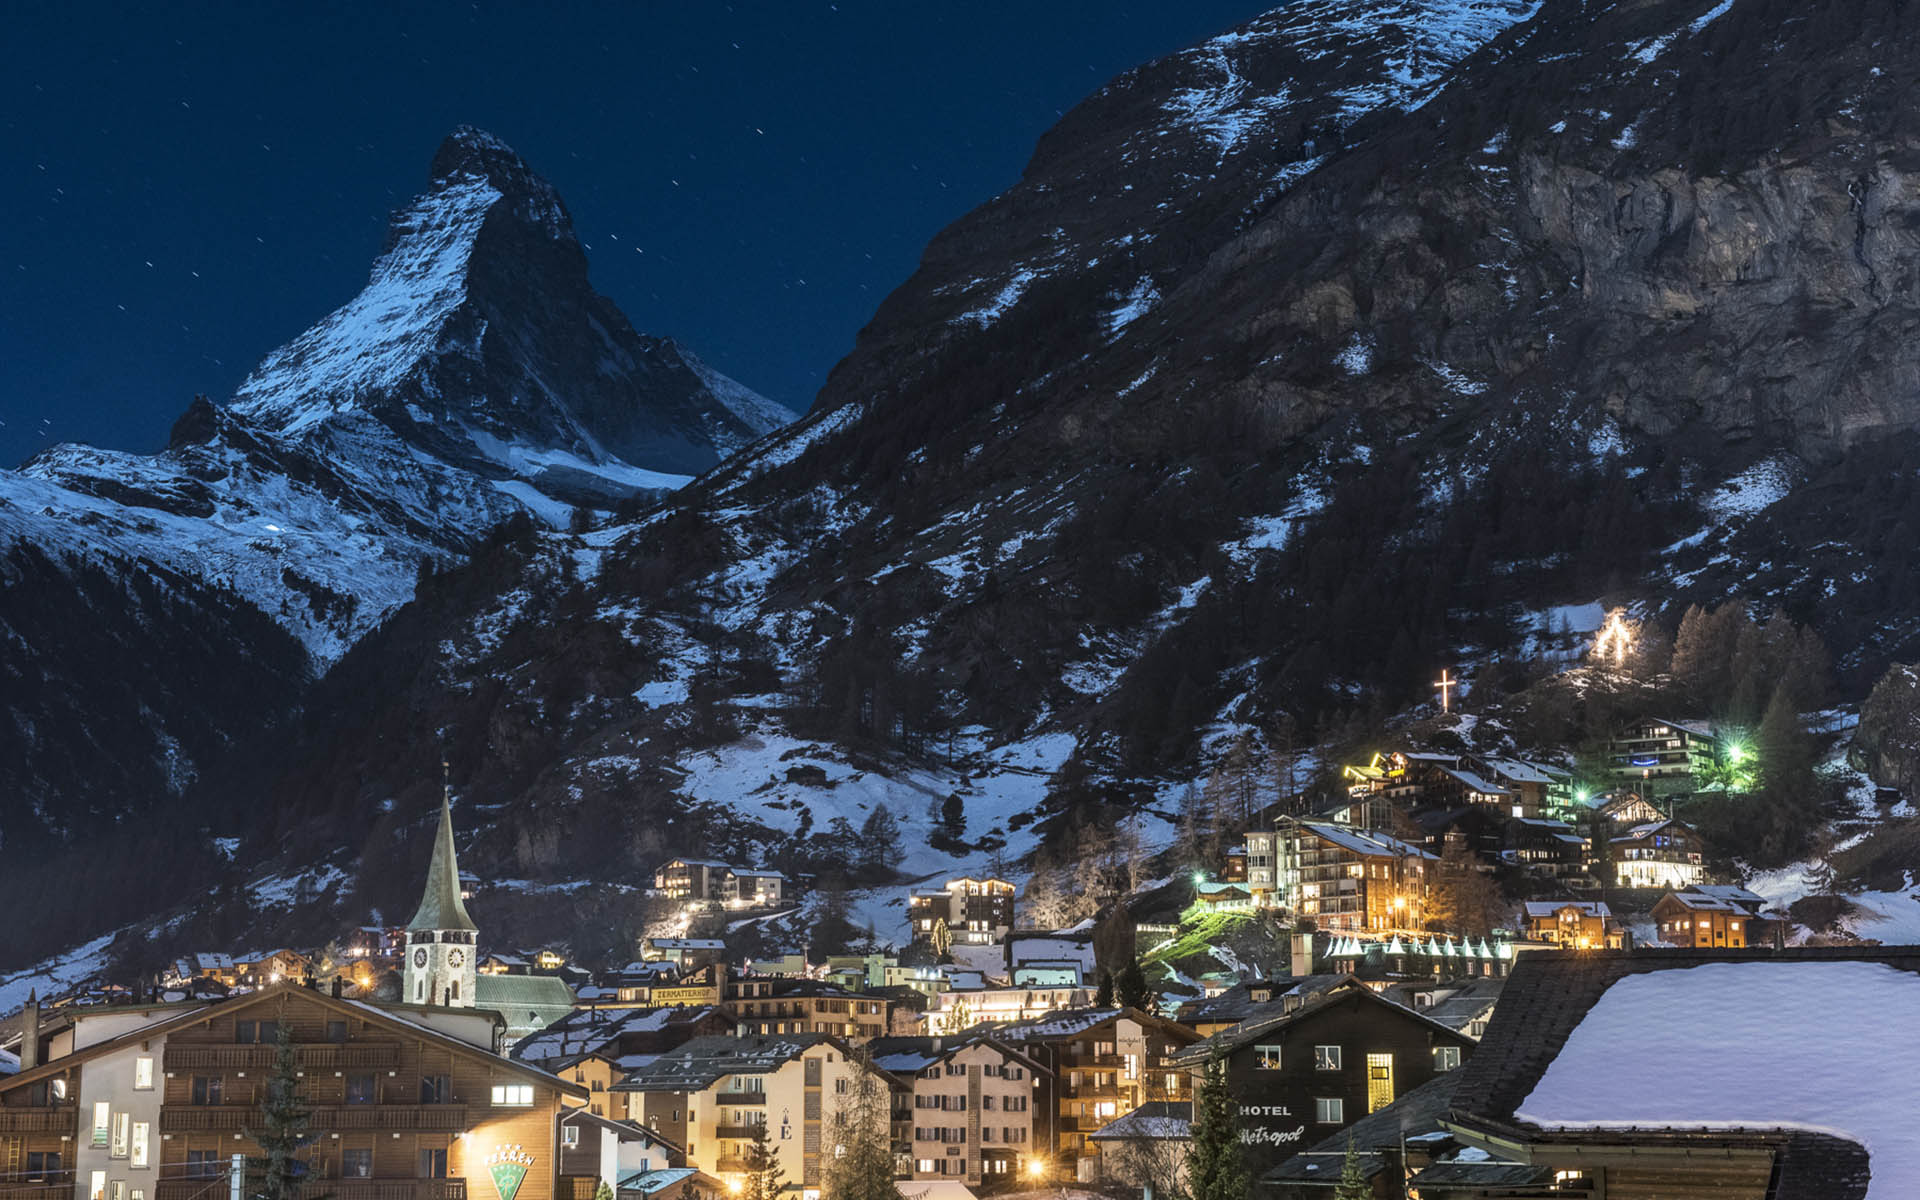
column 476, row 377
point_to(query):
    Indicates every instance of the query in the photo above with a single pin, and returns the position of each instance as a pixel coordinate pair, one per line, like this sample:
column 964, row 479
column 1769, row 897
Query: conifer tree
column 1215, row 1168
column 860, row 1139
column 1103, row 997
column 1131, row 986
column 282, row 1130
column 764, row 1174
column 1353, row 1183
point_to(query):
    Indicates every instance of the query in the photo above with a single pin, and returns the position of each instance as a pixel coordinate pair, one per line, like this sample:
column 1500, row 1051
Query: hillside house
column 1660, row 854
column 685, row 955
column 1574, row 924
column 1546, row 848
column 1658, row 757
column 976, row 912
column 1712, row 916
column 690, row 878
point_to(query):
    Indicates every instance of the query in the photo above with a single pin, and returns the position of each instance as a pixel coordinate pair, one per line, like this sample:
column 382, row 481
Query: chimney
column 1302, row 959
column 30, row 1032
column 336, row 987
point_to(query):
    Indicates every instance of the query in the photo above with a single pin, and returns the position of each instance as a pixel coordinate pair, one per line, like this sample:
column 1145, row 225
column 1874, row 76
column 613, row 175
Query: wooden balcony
column 40, row 1120
column 214, row 1187
column 312, row 1056
column 236, row 1118
column 22, row 1186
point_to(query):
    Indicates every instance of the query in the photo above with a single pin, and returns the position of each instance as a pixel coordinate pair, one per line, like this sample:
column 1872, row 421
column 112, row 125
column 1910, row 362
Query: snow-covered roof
column 686, row 943
column 1156, row 1120
column 1363, row 841
column 743, row 873
column 1475, row 783
column 1688, row 1075
column 1548, row 908
column 1732, row 893
column 1519, row 770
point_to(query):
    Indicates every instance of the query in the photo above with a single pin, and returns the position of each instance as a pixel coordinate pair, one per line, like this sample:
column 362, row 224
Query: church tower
column 440, row 938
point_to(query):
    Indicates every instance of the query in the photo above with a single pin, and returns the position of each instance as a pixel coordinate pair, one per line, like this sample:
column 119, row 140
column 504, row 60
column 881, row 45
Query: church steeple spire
column 440, row 905
column 440, row 938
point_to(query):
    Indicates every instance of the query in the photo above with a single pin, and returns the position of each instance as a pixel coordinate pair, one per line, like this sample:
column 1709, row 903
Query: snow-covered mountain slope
column 1297, row 366
column 477, row 377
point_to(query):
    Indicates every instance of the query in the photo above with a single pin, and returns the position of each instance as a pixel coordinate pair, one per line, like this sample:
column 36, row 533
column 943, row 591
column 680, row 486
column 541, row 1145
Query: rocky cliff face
column 1887, row 743
column 477, row 377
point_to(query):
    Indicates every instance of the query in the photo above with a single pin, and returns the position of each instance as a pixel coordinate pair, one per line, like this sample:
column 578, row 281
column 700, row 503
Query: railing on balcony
column 741, row 1098
column 39, row 1120
column 312, row 1055
column 214, row 1187
column 235, row 1118
column 749, row 1132
column 38, row 1185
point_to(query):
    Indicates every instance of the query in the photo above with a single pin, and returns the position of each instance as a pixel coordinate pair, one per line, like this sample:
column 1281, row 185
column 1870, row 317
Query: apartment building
column 775, row 1005
column 1102, row 1063
column 977, row 1111
column 711, row 1095
column 1347, row 878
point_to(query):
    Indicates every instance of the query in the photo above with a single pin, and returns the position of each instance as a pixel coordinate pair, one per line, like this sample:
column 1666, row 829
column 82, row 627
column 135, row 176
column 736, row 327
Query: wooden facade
column 403, row 1107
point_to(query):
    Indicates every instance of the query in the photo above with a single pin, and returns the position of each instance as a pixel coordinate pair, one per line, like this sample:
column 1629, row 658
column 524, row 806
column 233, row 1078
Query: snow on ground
column 1356, row 357
column 1760, row 486
column 751, row 775
column 1847, row 1020
column 1004, row 298
column 60, row 973
column 372, row 341
column 1135, row 304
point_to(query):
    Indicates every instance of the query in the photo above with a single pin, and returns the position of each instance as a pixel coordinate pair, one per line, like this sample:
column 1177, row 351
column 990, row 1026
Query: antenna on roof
column 446, row 778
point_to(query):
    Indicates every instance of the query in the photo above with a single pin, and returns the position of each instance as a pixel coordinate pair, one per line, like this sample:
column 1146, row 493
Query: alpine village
column 1351, row 634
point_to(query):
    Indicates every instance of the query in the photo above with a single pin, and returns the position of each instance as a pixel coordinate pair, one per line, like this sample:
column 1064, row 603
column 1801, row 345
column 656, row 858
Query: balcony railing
column 236, row 1118
column 21, row 1185
column 39, row 1120
column 214, row 1187
column 311, row 1055
column 741, row 1098
column 749, row 1132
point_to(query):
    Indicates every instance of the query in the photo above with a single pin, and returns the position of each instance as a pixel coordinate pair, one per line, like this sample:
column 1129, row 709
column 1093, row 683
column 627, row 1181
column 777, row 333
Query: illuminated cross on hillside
column 1445, row 686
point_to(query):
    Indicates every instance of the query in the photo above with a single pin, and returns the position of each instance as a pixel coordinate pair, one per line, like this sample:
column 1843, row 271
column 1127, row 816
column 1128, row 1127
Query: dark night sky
column 187, row 188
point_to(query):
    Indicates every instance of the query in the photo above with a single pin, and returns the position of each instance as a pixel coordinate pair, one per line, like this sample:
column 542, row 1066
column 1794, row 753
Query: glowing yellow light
column 1036, row 1167
column 733, row 1185
column 1615, row 640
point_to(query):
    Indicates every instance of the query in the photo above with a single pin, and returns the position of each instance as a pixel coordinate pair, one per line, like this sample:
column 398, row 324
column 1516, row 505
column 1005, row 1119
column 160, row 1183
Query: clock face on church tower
column 419, row 958
column 456, row 957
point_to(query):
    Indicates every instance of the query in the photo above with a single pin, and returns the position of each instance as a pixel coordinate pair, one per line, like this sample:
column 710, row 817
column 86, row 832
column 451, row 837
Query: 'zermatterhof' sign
column 508, row 1167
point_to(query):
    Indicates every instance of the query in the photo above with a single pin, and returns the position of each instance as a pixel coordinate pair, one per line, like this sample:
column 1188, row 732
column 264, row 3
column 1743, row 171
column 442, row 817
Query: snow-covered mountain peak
column 469, row 154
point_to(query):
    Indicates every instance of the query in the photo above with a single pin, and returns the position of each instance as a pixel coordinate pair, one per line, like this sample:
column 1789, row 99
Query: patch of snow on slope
column 1002, row 301
column 1693, row 1074
column 1134, row 305
column 1710, row 16
column 57, row 974
column 1356, row 357
column 1760, row 486
column 377, row 337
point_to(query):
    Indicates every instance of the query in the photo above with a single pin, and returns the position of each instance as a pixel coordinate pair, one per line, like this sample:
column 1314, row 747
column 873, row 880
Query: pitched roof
column 1548, row 908
column 1248, row 1032
column 695, row 1066
column 394, row 1016
column 1154, row 1121
column 1363, row 841
column 1415, row 1113
column 1547, row 997
column 440, row 903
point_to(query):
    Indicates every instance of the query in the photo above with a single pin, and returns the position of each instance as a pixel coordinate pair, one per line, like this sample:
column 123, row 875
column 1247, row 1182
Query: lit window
column 101, row 1114
column 139, row 1144
column 1326, row 1058
column 512, row 1095
column 143, row 1073
column 1268, row 1057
